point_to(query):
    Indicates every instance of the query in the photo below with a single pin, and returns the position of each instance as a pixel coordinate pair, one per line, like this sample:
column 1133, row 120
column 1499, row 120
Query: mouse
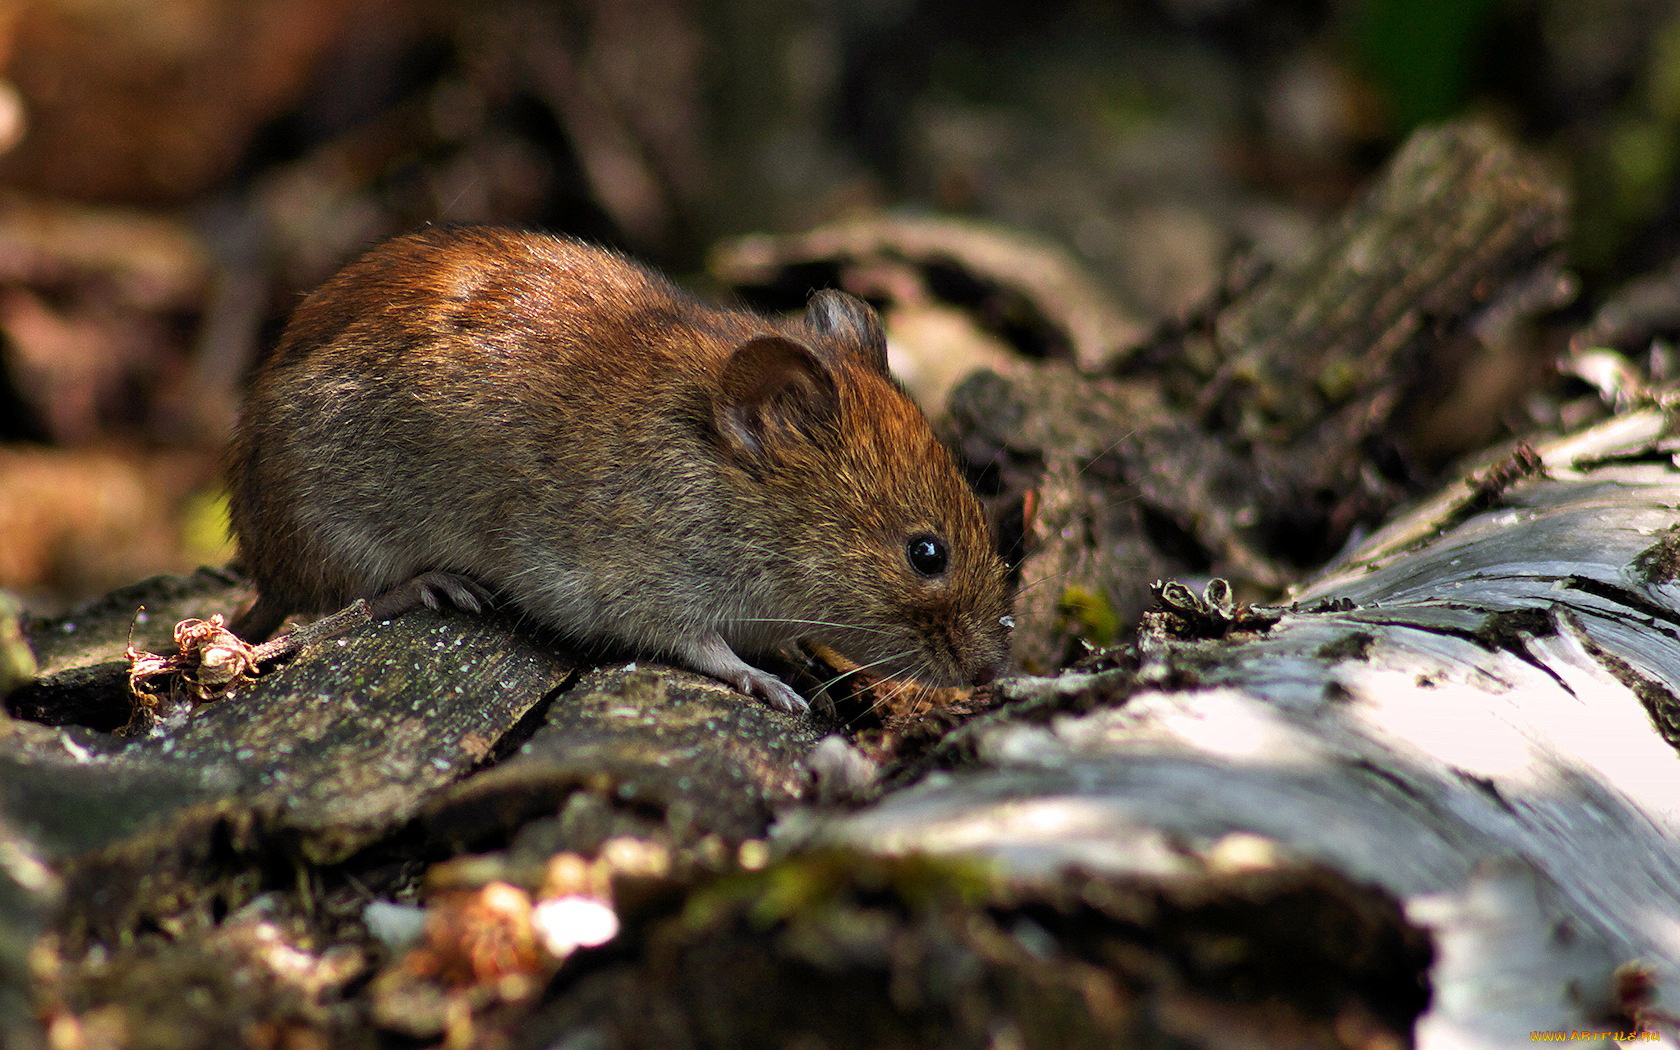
column 476, row 415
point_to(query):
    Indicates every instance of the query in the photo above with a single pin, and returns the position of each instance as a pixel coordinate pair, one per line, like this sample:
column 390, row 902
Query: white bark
column 1477, row 733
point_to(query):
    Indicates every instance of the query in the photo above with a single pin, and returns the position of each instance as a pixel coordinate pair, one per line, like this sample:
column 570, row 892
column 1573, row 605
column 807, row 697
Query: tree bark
column 1474, row 711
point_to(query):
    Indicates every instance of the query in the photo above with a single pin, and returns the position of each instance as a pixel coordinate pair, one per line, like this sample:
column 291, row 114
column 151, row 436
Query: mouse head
column 879, row 536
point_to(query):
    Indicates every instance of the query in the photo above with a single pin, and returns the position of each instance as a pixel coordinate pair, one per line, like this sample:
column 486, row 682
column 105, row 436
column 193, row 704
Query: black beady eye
column 927, row 554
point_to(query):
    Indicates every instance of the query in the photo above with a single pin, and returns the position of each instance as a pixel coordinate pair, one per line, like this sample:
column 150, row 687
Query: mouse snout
column 987, row 669
column 986, row 658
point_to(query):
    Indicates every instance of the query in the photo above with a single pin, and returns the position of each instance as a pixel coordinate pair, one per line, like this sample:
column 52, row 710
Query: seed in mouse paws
column 467, row 410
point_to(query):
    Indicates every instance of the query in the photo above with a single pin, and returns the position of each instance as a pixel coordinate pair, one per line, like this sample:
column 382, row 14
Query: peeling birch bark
column 1474, row 711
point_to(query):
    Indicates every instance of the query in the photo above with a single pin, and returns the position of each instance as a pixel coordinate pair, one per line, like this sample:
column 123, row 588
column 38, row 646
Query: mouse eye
column 927, row 554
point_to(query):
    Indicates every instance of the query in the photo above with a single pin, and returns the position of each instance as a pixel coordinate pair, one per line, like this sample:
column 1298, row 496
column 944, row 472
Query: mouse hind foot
column 431, row 589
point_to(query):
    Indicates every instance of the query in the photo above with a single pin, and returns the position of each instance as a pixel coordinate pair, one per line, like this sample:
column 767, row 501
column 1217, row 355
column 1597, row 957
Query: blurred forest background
column 174, row 174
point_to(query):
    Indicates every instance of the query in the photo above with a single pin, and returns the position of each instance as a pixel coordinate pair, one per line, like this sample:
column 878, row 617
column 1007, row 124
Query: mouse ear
column 851, row 322
column 769, row 384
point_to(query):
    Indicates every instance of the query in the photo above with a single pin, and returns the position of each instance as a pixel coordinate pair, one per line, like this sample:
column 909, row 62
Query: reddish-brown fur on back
column 553, row 421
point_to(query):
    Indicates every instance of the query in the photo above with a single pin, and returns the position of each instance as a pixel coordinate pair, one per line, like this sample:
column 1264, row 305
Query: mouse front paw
column 775, row 692
column 713, row 656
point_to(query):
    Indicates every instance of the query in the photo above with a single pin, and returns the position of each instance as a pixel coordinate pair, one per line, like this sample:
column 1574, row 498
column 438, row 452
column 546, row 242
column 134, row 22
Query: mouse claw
column 713, row 656
column 767, row 687
column 778, row 694
column 463, row 592
column 431, row 589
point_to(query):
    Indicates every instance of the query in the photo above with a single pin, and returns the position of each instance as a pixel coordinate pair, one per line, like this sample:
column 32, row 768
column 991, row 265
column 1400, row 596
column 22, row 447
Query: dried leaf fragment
column 210, row 663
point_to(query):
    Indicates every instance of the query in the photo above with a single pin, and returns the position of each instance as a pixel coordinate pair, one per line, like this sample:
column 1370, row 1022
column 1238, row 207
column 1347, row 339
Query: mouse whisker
column 913, row 675
column 1052, row 578
column 843, row 675
column 889, row 658
column 809, row 623
column 1057, row 578
column 900, row 686
column 1091, row 461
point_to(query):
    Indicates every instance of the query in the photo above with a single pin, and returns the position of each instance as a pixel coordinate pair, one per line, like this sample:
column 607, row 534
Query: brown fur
column 620, row 461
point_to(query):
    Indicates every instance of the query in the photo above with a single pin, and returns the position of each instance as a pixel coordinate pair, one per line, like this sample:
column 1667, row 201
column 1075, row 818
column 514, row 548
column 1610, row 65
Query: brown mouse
column 478, row 411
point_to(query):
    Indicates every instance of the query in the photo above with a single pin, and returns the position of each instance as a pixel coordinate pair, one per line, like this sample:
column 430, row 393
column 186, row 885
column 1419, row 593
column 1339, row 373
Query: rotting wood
column 682, row 751
column 1250, row 444
column 315, row 760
